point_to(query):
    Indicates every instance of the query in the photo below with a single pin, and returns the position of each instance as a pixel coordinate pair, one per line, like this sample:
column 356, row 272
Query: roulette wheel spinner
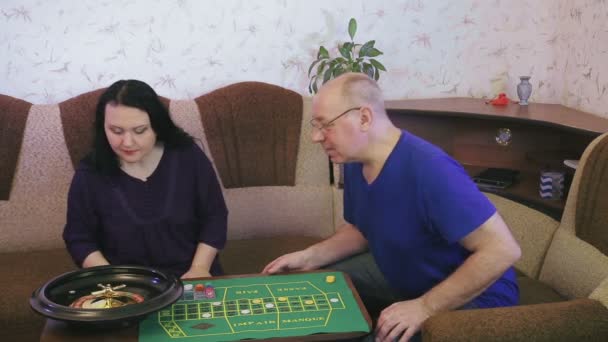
column 106, row 295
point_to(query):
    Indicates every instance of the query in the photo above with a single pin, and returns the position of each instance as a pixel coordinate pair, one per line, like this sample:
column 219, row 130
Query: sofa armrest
column 574, row 320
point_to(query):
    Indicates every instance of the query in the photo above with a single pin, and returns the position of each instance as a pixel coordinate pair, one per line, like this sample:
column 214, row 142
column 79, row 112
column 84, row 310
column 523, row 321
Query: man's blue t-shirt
column 415, row 213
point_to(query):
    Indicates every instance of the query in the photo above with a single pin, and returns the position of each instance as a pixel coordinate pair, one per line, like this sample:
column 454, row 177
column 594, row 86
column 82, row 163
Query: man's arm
column 346, row 241
column 493, row 249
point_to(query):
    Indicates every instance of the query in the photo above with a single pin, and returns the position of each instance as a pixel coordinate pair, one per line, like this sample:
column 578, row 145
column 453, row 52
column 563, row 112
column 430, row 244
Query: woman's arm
column 95, row 259
column 80, row 232
column 201, row 263
column 212, row 212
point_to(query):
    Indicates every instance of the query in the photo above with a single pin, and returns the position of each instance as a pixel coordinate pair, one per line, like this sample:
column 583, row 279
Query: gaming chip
column 256, row 301
column 330, row 279
column 308, row 302
column 270, row 305
column 199, row 288
column 334, row 300
column 217, row 303
column 245, row 312
column 282, row 299
column 206, row 315
column 188, row 287
column 209, row 292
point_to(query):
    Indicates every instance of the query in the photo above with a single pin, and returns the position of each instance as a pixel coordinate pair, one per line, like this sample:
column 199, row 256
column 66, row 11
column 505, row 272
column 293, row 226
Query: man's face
column 333, row 127
column 129, row 132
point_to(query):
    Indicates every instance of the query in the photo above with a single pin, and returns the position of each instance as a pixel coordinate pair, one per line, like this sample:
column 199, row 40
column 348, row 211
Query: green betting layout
column 259, row 307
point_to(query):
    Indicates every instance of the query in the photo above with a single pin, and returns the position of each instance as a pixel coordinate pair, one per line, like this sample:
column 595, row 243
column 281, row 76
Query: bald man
column 419, row 237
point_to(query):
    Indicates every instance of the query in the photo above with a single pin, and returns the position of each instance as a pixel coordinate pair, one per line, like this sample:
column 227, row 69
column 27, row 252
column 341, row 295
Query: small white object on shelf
column 571, row 163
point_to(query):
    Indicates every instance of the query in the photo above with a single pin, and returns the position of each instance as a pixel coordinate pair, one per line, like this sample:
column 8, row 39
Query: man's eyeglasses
column 323, row 126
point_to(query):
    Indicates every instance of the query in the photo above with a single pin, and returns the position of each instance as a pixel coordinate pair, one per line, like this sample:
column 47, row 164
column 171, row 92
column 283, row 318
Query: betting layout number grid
column 257, row 308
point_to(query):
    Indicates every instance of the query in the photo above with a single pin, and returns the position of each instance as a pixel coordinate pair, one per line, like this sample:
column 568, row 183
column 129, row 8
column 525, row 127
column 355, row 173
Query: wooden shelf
column 543, row 136
column 525, row 190
column 542, row 113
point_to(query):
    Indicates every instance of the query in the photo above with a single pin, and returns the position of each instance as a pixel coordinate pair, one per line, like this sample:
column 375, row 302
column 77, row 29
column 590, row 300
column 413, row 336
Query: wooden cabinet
column 542, row 137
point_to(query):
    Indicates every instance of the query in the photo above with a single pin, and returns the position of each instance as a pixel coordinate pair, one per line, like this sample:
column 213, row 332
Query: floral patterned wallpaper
column 583, row 54
column 53, row 50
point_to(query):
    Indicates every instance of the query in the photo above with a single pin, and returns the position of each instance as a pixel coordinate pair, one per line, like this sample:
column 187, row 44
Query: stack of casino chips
column 198, row 291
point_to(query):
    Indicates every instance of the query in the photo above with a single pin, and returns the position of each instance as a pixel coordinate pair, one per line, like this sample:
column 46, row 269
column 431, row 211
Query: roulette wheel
column 106, row 295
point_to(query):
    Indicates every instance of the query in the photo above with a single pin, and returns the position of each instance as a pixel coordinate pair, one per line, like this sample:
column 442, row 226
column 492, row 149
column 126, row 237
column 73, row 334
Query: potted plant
column 353, row 58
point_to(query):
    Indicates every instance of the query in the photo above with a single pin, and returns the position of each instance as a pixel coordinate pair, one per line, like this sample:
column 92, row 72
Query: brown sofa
column 278, row 193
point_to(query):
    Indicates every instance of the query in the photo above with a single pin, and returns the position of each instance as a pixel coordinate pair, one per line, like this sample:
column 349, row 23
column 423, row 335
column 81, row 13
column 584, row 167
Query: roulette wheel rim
column 161, row 290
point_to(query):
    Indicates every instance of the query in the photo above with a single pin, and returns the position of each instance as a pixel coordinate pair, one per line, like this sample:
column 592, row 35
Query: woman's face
column 129, row 132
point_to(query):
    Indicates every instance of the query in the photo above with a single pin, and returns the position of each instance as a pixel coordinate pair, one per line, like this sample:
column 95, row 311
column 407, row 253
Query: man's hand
column 296, row 261
column 195, row 273
column 400, row 321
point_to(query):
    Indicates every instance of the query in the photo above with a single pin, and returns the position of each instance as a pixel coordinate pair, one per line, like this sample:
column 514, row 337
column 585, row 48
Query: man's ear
column 366, row 117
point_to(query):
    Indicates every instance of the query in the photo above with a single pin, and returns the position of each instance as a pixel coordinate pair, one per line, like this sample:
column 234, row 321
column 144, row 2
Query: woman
column 146, row 194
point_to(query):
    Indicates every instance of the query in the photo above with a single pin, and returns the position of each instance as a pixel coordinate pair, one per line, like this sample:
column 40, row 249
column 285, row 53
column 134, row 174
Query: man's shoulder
column 419, row 147
column 418, row 154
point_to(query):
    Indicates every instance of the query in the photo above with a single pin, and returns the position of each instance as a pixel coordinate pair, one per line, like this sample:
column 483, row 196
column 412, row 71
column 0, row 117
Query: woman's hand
column 195, row 273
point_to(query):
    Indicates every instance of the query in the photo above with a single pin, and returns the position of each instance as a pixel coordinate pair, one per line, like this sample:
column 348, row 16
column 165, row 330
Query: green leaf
column 312, row 84
column 377, row 76
column 368, row 69
column 366, row 48
column 321, row 67
column 323, row 53
column 340, row 60
column 327, row 75
column 314, row 87
column 338, row 71
column 312, row 66
column 374, row 52
column 352, row 28
column 377, row 64
column 344, row 52
column 349, row 46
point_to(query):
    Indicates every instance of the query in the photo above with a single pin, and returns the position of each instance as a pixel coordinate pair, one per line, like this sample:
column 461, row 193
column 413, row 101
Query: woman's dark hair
column 137, row 94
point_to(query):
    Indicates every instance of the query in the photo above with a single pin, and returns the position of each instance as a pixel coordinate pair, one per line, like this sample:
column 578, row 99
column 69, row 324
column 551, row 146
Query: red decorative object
column 500, row 100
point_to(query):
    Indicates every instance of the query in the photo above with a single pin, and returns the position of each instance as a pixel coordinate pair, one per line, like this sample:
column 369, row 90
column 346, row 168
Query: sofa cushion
column 532, row 291
column 573, row 267
column 601, row 293
column 275, row 211
column 22, row 273
column 249, row 256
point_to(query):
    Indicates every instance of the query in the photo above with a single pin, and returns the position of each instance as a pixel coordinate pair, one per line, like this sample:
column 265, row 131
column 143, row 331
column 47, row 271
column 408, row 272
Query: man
column 438, row 242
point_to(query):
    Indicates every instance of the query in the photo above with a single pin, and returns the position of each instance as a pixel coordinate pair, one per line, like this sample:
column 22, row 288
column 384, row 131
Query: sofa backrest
column 576, row 263
column 34, row 215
